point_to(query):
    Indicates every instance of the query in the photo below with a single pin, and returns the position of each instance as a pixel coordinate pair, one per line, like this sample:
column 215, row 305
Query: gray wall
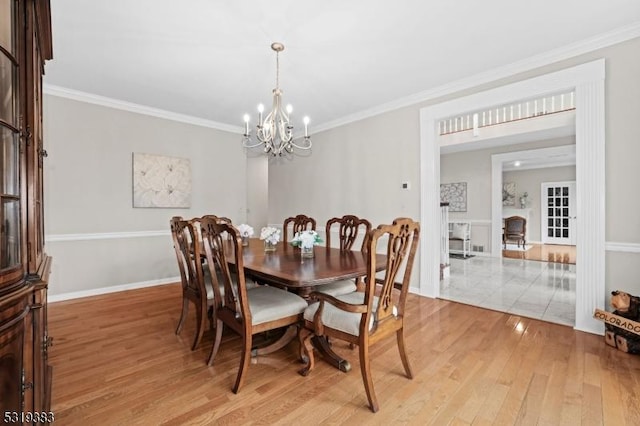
column 355, row 169
column 88, row 192
column 358, row 167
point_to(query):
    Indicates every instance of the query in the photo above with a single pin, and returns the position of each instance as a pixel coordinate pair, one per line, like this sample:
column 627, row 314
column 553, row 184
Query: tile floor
column 533, row 289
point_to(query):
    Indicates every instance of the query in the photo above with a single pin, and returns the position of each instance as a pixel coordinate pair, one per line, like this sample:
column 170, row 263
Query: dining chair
column 349, row 227
column 515, row 229
column 222, row 219
column 364, row 318
column 245, row 312
column 219, row 219
column 195, row 289
column 299, row 223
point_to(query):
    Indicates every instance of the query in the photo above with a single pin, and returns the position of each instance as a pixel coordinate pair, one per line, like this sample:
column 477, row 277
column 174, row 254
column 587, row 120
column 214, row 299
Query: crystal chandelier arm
column 246, row 142
column 306, row 144
column 246, row 137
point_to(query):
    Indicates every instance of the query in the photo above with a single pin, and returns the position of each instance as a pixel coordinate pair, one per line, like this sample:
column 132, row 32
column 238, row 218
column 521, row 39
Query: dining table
column 285, row 267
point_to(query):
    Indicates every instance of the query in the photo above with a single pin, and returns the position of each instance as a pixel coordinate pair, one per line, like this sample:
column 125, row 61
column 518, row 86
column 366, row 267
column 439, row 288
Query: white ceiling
column 212, row 60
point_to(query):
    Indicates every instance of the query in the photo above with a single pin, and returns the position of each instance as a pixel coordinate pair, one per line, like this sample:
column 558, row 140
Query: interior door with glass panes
column 558, row 216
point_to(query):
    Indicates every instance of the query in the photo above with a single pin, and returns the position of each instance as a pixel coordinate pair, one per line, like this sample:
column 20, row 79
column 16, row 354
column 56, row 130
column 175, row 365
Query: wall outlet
column 406, row 185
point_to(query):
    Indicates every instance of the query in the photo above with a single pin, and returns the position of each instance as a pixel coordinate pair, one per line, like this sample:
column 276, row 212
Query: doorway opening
column 588, row 82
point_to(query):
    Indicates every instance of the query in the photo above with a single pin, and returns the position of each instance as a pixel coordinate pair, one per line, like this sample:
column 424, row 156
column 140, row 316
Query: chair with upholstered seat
column 349, row 227
column 195, row 289
column 460, row 234
column 298, row 223
column 515, row 229
column 363, row 318
column 245, row 312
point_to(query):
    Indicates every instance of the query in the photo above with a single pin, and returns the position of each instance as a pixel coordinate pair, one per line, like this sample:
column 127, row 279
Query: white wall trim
column 112, row 289
column 104, row 236
column 76, row 95
column 479, row 222
column 623, row 247
column 588, row 81
column 585, row 46
column 610, row 245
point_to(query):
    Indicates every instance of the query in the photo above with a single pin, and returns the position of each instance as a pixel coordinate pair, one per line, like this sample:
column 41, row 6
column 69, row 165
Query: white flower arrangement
column 245, row 230
column 270, row 234
column 306, row 239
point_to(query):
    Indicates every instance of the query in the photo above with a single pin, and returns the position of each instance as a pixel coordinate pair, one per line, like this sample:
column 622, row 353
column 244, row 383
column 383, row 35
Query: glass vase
column 269, row 246
column 306, row 252
column 245, row 241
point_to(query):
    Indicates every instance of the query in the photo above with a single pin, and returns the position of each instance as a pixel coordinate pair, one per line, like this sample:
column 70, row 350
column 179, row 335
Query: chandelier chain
column 277, row 70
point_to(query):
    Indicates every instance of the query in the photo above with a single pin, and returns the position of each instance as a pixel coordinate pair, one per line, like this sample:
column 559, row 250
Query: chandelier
column 275, row 132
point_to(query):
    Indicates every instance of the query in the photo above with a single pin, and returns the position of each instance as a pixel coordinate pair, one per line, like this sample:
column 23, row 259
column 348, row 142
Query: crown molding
column 76, row 95
column 556, row 55
column 585, row 46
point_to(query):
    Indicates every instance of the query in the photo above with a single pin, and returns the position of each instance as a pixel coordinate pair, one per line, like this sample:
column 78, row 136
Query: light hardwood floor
column 546, row 253
column 117, row 361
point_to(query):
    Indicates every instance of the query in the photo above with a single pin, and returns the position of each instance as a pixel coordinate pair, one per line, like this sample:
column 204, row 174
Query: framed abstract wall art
column 160, row 181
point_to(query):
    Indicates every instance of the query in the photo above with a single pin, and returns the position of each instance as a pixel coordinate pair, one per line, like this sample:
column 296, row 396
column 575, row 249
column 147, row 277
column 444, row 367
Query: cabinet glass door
column 10, row 157
column 6, row 25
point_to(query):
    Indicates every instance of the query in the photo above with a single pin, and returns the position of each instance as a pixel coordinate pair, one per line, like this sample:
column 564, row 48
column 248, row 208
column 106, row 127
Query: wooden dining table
column 286, row 268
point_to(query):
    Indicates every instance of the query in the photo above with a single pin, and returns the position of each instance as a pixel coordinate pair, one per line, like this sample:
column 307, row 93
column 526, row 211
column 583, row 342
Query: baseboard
column 415, row 290
column 481, row 253
column 112, row 289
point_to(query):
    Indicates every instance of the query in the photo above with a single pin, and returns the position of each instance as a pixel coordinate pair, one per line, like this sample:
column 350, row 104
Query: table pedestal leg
column 288, row 336
column 322, row 346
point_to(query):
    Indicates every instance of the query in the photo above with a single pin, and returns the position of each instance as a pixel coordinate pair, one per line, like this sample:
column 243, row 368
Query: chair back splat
column 299, row 223
column 187, row 244
column 349, row 227
column 402, row 241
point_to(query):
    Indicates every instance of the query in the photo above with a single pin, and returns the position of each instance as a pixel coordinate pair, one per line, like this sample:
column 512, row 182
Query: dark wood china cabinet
column 25, row 376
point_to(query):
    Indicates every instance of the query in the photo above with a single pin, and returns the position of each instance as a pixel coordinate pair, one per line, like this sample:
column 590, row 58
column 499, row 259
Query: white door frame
column 588, row 82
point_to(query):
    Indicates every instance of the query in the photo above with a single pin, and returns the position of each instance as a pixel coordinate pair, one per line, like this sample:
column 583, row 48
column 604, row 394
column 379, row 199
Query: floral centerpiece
column 246, row 232
column 271, row 236
column 306, row 240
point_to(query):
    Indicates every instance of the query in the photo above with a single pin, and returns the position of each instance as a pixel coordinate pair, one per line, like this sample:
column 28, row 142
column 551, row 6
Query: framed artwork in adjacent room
column 509, row 194
column 455, row 194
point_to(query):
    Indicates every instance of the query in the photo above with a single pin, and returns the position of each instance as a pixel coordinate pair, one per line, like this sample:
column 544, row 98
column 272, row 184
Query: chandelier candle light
column 275, row 132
